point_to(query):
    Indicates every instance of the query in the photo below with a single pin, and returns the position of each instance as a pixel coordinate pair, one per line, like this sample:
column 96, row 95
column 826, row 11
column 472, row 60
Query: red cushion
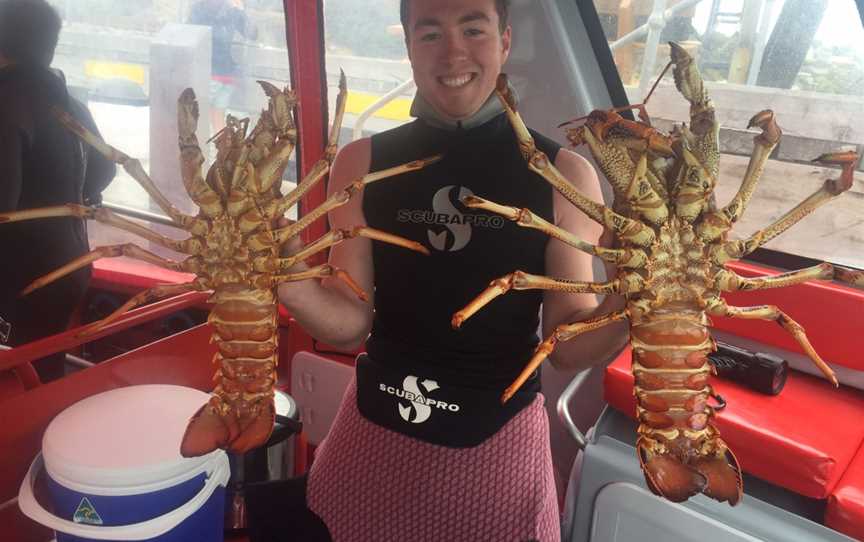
column 10, row 385
column 810, row 304
column 802, row 439
column 845, row 511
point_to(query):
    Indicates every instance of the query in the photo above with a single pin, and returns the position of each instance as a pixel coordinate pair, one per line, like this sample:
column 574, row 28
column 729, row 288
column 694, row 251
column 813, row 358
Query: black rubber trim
column 783, row 260
column 603, row 54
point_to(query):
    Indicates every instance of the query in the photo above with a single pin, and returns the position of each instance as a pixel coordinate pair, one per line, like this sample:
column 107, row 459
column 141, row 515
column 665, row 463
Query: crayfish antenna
column 571, row 121
column 504, row 90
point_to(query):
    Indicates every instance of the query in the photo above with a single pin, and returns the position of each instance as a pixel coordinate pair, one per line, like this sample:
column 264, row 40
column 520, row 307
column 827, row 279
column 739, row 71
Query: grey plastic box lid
column 608, row 501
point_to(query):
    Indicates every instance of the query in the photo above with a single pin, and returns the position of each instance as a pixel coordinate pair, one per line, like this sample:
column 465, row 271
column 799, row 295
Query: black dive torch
column 760, row 371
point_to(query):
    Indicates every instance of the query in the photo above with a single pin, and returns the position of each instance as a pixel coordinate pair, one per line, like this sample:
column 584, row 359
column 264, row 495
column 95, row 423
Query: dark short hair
column 501, row 6
column 29, row 30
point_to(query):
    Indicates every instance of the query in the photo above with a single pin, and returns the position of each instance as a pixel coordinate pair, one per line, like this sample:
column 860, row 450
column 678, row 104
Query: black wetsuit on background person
column 43, row 164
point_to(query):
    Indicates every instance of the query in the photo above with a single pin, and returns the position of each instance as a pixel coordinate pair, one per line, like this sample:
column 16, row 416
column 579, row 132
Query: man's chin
column 457, row 114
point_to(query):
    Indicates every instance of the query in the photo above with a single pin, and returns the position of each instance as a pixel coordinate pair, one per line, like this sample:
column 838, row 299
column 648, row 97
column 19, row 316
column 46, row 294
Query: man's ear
column 506, row 37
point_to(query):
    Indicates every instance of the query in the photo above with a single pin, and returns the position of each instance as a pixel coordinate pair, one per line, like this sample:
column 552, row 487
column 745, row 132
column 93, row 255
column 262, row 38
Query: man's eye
column 473, row 32
column 431, row 36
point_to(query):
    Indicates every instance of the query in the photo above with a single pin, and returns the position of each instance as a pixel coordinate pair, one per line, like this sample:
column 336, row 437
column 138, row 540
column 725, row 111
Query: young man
column 422, row 448
column 41, row 164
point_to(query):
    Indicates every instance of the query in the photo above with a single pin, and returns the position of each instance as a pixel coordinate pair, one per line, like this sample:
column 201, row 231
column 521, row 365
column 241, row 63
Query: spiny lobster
column 235, row 246
column 670, row 259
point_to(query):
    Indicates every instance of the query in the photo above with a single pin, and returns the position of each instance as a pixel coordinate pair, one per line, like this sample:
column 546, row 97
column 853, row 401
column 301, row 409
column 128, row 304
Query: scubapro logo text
column 452, row 230
column 419, row 407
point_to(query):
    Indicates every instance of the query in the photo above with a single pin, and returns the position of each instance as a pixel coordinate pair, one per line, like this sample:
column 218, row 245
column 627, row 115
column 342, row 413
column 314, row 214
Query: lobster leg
column 629, row 180
column 322, row 167
column 718, row 307
column 625, row 228
column 694, row 186
column 853, row 277
column 191, row 159
column 703, row 121
column 331, row 238
column 628, row 257
column 318, row 272
column 104, row 216
column 336, row 200
column 831, row 189
column 132, row 167
column 727, row 281
column 127, row 249
column 318, row 171
column 519, row 280
column 715, row 224
column 334, row 237
column 147, row 296
column 562, row 333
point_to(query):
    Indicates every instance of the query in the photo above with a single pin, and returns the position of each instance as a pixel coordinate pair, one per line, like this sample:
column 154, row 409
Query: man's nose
column 455, row 49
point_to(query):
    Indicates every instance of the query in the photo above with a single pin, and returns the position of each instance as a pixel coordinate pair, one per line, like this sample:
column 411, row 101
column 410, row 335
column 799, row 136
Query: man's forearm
column 597, row 347
column 327, row 313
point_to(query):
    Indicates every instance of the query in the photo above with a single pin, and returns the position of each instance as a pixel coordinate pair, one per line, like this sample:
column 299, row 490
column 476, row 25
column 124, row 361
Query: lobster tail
column 666, row 476
column 724, row 476
column 717, row 476
column 217, row 426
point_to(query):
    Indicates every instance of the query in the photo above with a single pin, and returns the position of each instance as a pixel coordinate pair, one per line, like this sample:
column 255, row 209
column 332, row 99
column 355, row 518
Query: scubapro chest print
column 450, row 222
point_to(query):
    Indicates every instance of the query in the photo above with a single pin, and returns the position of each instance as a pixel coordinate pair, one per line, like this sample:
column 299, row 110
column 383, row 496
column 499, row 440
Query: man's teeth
column 456, row 81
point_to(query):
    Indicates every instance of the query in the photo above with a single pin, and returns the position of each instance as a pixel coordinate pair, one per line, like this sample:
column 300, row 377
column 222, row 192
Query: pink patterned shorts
column 370, row 484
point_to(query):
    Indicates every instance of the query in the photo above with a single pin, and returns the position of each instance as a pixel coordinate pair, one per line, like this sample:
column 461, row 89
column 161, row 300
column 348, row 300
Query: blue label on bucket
column 86, row 513
column 203, row 525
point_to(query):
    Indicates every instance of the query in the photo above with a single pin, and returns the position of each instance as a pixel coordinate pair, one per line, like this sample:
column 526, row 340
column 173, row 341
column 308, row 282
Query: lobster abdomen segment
column 680, row 450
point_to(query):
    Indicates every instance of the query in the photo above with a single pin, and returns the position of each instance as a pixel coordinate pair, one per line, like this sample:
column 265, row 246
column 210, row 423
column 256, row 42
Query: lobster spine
column 681, row 452
column 240, row 413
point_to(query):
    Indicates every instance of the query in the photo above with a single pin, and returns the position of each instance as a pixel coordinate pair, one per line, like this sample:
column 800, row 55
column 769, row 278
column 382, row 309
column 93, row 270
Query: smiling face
column 456, row 51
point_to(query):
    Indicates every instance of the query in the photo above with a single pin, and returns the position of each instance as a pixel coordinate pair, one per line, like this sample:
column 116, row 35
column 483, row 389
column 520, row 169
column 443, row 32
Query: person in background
column 41, row 164
column 225, row 19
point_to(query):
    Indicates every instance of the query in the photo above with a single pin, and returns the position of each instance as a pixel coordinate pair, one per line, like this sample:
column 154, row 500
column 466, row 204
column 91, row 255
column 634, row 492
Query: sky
column 841, row 25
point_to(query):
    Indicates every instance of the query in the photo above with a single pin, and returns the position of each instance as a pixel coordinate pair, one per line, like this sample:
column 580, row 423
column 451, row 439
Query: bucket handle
column 136, row 531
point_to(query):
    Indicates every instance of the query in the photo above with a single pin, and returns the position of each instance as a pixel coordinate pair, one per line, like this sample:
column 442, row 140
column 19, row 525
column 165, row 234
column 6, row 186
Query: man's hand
column 291, row 247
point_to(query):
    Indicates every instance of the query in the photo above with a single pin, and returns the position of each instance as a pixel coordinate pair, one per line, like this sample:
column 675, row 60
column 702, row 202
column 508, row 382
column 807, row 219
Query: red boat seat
column 10, row 385
column 845, row 510
column 802, row 439
column 812, row 304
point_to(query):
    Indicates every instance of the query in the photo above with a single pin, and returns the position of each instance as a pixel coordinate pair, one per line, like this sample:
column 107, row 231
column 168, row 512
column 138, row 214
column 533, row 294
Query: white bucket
column 115, row 472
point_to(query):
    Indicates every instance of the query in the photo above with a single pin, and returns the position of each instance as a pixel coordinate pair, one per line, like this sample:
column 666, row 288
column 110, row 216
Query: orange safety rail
column 131, row 276
column 10, row 359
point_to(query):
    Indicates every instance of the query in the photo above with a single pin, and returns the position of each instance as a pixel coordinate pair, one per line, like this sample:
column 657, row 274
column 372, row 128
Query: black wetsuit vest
column 416, row 295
